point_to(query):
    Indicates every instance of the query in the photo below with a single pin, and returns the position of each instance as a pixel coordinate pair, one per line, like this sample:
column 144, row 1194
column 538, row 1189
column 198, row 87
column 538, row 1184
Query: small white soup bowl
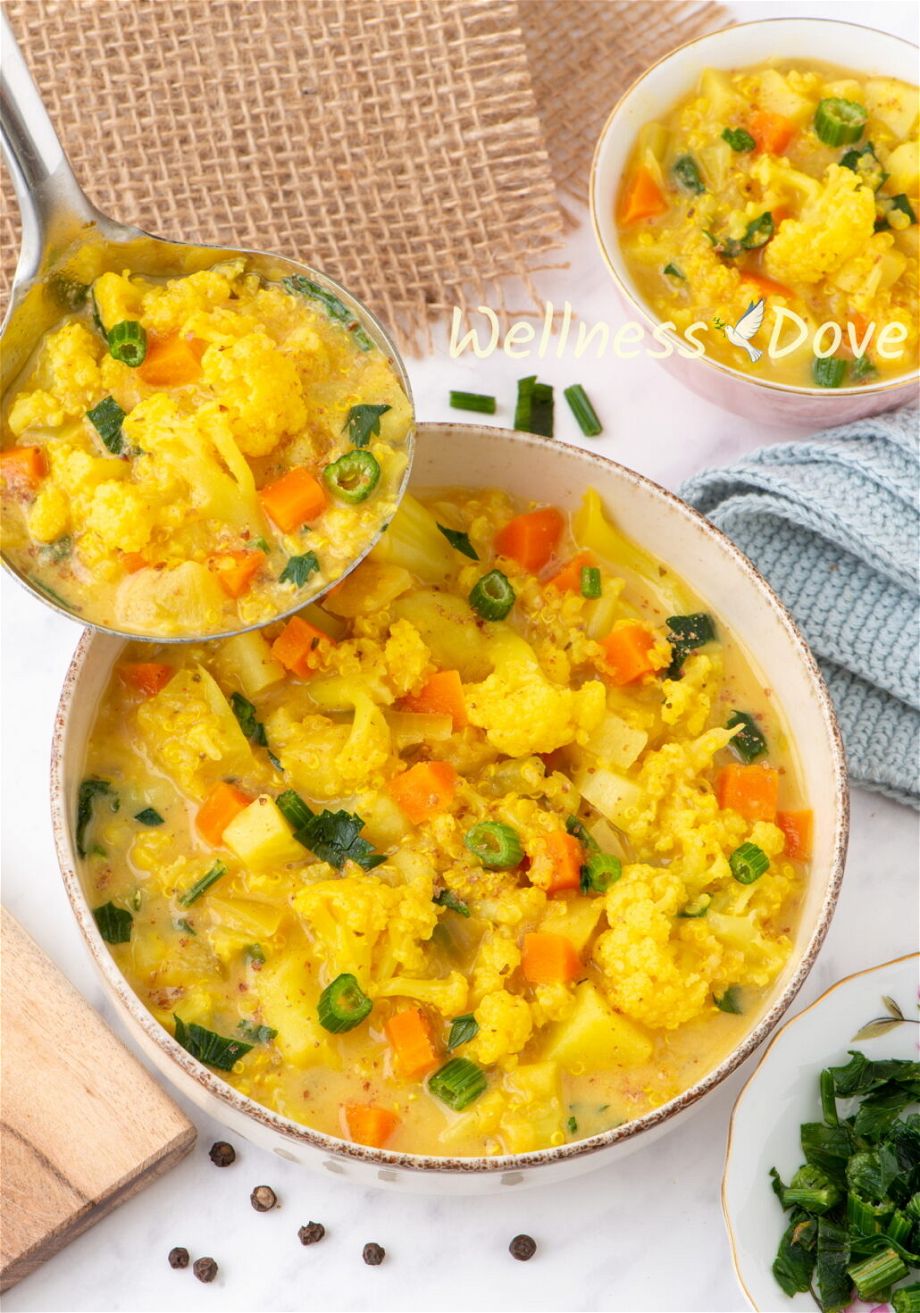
column 650, row 97
column 728, row 584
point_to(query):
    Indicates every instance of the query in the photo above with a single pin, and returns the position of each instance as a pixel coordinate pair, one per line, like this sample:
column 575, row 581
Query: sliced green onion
column 687, row 632
column 458, row 1083
column 106, row 419
column 497, row 846
column 874, row 1276
column 447, row 898
column 590, row 581
column 599, row 872
column 686, row 173
column 675, row 272
column 128, row 343
column 583, row 411
column 749, row 743
column 738, row 139
column 748, row 863
column 343, row 1005
column 812, row 1190
column 353, row 477
column 462, row 1030
column 492, row 597
column 534, row 410
column 697, row 907
column 758, row 232
column 862, row 367
column 866, row 164
column 838, row 121
column 730, row 1001
column 906, row 1299
column 207, row 1046
column 149, row 816
column 478, row 401
column 114, row 923
column 363, row 423
column 829, row 372
column 198, row 888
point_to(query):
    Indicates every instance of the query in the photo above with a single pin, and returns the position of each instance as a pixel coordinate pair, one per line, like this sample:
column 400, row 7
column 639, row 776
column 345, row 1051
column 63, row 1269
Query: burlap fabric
column 396, row 144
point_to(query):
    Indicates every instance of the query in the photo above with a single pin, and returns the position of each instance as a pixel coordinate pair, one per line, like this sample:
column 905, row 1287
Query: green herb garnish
column 447, row 898
column 335, row 309
column 687, row 633
column 149, row 816
column 363, row 423
column 758, row 232
column 460, row 542
column 865, row 162
column 255, row 1034
column 245, row 713
column 675, row 272
column 298, row 569
column 686, row 174
column 114, row 923
column 208, row 1047
column 462, row 1030
column 198, row 888
column 333, row 837
column 749, row 743
column 90, row 790
column 106, row 419
column 730, row 1001
column 69, row 293
column 738, row 139
column 572, row 1126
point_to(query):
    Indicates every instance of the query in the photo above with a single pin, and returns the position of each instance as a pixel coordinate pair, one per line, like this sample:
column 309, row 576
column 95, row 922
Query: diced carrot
column 218, row 809
column 148, row 677
column 365, row 1123
column 772, row 132
column 531, row 539
column 296, row 646
column 23, row 466
column 643, row 198
column 547, row 958
column 133, row 561
column 409, row 1033
column 767, row 285
column 294, row 499
column 798, row 828
column 627, row 651
column 749, row 790
column 424, row 789
column 441, row 695
column 780, row 215
column 236, row 570
column 565, row 856
column 568, row 580
column 171, row 361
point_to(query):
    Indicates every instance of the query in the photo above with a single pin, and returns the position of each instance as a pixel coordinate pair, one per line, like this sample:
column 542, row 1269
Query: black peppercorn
column 373, row 1255
column 263, row 1198
column 222, row 1154
column 312, row 1233
column 205, row 1269
column 523, row 1247
column 178, row 1257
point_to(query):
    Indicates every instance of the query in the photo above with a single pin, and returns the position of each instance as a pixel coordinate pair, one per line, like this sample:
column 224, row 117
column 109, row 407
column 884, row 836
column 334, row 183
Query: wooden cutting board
column 82, row 1125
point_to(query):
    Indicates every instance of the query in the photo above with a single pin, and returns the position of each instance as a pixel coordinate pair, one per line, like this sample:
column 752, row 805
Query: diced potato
column 449, row 630
column 893, row 103
column 616, row 742
column 385, row 822
column 369, row 588
column 260, row 836
column 903, row 167
column 611, row 794
column 255, row 920
column 716, row 87
column 594, row 1037
column 247, row 660
column 288, row 1000
column 192, row 733
column 778, row 97
column 575, row 917
column 604, row 610
column 151, row 599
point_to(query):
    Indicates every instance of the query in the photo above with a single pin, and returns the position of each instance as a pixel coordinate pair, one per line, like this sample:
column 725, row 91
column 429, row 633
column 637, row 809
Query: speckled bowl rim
column 453, row 1166
column 774, row 1039
column 902, row 381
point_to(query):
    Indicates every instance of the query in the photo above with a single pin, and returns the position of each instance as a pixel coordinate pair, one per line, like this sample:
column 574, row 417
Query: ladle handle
column 46, row 189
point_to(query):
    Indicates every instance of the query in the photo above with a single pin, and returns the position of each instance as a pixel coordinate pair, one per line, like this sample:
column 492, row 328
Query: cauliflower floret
column 505, row 1026
column 79, row 474
column 688, row 700
column 37, row 409
column 361, row 924
column 498, row 957
column 68, row 368
column 120, row 516
column 522, row 712
column 49, row 517
column 167, row 307
column 447, row 995
column 407, row 657
column 329, row 760
column 191, row 732
column 261, row 390
column 551, row 1003
column 519, row 909
column 834, row 226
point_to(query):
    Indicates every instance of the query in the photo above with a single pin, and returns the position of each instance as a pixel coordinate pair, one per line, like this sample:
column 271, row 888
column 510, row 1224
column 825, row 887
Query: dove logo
column 741, row 333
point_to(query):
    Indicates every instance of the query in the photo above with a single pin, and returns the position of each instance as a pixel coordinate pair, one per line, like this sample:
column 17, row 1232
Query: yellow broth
column 197, row 491
column 543, row 721
column 733, row 196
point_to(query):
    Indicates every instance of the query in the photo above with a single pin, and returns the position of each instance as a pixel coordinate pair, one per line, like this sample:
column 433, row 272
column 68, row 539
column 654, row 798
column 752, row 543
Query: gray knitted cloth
column 834, row 525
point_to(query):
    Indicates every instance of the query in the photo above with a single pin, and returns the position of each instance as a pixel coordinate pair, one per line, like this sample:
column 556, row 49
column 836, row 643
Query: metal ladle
column 63, row 230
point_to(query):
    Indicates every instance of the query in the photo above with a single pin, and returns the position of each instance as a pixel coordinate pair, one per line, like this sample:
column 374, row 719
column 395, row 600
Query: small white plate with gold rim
column 782, row 1093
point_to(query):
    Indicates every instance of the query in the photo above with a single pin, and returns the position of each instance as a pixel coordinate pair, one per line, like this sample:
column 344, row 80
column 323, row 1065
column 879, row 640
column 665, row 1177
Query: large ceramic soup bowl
column 674, row 117
column 724, row 583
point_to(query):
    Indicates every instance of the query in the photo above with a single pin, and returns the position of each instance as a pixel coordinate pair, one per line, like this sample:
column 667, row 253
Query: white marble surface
column 646, row 1234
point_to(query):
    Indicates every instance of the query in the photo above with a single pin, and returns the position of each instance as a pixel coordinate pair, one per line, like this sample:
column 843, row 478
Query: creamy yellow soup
column 791, row 184
column 502, row 847
column 198, row 454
